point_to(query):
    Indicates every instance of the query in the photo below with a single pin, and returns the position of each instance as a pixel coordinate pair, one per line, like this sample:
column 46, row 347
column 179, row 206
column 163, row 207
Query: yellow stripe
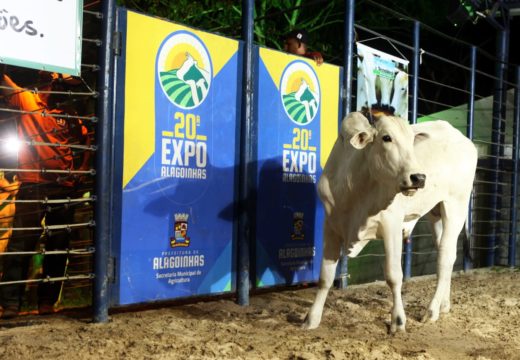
column 141, row 51
column 141, row 48
column 329, row 85
column 328, row 75
column 276, row 62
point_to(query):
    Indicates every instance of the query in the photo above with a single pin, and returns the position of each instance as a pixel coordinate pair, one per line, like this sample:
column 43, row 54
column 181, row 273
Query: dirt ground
column 484, row 324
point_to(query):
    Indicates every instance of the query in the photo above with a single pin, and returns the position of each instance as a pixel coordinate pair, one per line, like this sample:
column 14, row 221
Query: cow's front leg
column 437, row 230
column 331, row 251
column 394, row 272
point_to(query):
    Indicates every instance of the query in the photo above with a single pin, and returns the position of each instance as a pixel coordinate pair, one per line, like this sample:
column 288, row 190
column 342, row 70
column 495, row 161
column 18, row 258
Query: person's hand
column 318, row 58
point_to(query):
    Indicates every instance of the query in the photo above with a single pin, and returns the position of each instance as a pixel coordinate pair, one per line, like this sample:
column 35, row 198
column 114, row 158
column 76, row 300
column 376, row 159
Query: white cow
column 370, row 84
column 386, row 86
column 368, row 77
column 361, row 96
column 195, row 77
column 400, row 96
column 377, row 182
column 305, row 96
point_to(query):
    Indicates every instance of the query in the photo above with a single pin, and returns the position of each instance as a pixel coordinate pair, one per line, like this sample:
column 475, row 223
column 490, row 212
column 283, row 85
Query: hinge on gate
column 116, row 43
column 111, row 269
column 342, row 92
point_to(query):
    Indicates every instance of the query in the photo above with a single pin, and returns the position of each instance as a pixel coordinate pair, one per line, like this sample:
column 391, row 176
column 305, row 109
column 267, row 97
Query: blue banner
column 179, row 162
column 295, row 111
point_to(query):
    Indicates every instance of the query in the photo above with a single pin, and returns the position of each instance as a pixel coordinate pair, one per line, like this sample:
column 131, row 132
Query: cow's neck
column 363, row 189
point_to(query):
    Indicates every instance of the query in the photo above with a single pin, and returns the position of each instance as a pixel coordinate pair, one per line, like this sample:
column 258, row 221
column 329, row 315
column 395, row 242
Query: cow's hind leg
column 453, row 216
column 331, row 251
column 434, row 216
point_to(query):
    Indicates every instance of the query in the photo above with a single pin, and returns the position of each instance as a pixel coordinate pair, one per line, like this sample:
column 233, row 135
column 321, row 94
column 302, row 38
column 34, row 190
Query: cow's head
column 388, row 146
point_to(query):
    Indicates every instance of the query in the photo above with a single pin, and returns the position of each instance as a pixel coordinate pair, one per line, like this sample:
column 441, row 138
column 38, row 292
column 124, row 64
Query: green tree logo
column 184, row 70
column 300, row 92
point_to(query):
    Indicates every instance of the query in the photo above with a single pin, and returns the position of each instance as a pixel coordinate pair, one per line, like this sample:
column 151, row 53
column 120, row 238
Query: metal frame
column 247, row 129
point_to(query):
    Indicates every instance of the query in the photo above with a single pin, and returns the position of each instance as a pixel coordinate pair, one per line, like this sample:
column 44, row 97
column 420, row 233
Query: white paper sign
column 382, row 82
column 42, row 34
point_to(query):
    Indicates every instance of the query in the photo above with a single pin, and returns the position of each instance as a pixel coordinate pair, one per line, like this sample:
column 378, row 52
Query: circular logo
column 300, row 92
column 184, row 69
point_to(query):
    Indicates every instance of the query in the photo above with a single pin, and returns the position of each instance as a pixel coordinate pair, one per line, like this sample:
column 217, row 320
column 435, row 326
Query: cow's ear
column 420, row 137
column 354, row 123
column 361, row 139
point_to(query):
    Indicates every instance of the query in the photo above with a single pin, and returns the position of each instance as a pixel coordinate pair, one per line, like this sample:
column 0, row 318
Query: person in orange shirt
column 45, row 133
column 296, row 41
column 8, row 191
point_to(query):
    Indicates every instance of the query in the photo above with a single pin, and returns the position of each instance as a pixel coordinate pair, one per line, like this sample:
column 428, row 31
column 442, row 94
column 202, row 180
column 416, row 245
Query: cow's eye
column 387, row 138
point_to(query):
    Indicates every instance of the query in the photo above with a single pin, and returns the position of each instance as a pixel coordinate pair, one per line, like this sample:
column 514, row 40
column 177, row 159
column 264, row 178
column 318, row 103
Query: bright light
column 12, row 145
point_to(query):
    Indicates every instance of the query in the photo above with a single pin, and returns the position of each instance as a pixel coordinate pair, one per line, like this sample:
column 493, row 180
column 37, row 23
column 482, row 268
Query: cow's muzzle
column 417, row 181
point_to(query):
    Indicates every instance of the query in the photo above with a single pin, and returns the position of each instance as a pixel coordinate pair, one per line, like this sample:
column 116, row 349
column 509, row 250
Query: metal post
column 246, row 157
column 416, row 62
column 348, row 56
column 496, row 144
column 514, row 179
column 104, row 165
column 466, row 261
column 413, row 119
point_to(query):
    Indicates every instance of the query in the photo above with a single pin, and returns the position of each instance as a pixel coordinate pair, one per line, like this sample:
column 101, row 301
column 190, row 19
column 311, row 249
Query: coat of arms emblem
column 180, row 231
column 298, row 233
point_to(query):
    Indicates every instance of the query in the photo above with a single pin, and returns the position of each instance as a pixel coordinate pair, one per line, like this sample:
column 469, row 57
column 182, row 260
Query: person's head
column 296, row 42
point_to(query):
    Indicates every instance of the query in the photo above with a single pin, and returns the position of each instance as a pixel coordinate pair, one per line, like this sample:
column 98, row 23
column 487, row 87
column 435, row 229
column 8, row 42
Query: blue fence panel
column 297, row 125
column 179, row 97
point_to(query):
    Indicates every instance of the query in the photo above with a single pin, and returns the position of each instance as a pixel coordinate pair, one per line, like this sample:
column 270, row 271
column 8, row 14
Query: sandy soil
column 484, row 324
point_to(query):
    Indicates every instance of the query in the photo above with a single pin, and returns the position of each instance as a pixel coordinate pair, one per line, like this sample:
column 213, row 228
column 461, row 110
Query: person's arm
column 8, row 85
column 3, row 83
column 17, row 96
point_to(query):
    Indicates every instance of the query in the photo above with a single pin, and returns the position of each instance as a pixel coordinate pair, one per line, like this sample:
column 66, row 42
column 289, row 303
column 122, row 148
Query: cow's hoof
column 395, row 329
column 308, row 324
column 397, row 326
column 445, row 308
column 430, row 316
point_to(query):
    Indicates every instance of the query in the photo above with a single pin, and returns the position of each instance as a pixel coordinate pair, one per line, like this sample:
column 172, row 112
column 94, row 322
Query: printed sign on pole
column 42, row 34
column 382, row 83
column 181, row 103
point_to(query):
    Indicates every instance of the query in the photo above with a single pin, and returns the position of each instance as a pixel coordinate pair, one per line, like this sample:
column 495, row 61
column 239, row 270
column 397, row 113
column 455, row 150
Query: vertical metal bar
column 416, row 62
column 413, row 119
column 348, row 56
column 496, row 144
column 104, row 162
column 514, row 179
column 466, row 260
column 246, row 157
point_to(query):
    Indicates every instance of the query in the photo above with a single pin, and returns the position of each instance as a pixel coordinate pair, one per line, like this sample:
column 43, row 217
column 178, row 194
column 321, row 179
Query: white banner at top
column 42, row 34
column 382, row 82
